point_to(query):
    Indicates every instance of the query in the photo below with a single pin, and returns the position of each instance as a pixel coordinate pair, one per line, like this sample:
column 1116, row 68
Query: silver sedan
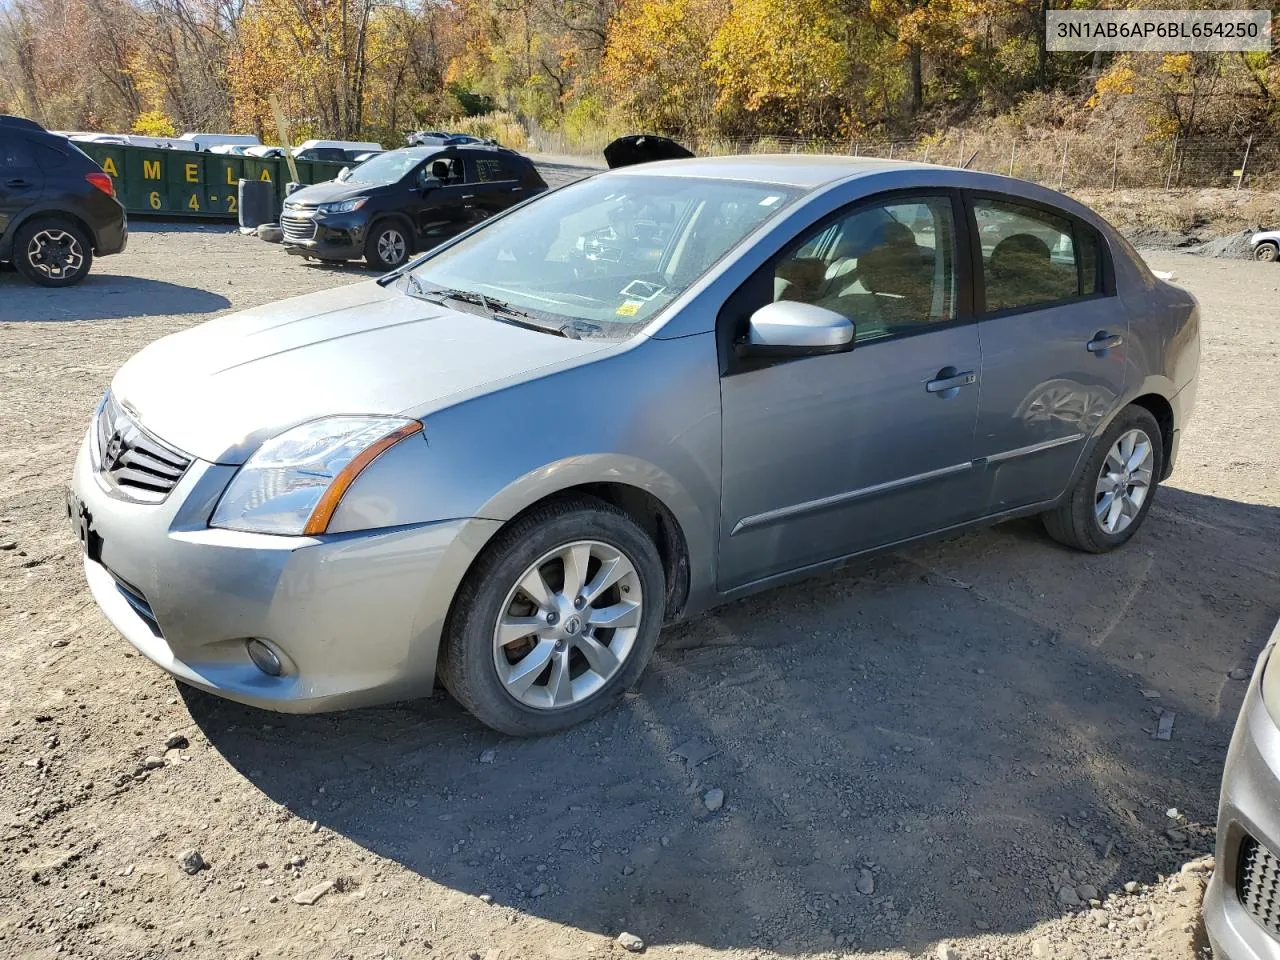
column 509, row 463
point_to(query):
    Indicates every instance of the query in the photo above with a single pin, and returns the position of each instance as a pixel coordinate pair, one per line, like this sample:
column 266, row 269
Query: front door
column 21, row 182
column 1053, row 347
column 447, row 200
column 827, row 456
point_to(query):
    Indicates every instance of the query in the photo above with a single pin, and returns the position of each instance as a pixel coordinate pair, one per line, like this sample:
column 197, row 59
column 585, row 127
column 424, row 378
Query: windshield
column 385, row 168
column 606, row 254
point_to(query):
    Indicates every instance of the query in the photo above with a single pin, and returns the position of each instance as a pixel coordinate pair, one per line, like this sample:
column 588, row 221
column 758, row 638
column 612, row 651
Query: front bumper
column 1249, row 808
column 357, row 617
column 338, row 236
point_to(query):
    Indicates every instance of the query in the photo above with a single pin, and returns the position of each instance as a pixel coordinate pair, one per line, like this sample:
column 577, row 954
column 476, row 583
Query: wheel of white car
column 1267, row 251
column 556, row 620
column 1114, row 490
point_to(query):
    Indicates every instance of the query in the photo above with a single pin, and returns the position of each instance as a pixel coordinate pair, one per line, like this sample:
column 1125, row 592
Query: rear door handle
column 18, row 182
column 1103, row 341
column 468, row 196
column 948, row 382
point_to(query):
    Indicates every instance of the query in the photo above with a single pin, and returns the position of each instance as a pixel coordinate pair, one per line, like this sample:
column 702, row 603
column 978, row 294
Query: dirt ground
column 920, row 755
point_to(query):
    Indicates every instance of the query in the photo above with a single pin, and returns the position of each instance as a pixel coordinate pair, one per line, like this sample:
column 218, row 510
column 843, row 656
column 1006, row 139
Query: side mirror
column 788, row 328
column 344, row 173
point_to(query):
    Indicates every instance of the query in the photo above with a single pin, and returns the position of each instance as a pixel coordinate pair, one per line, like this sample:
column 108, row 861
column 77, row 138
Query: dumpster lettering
column 150, row 169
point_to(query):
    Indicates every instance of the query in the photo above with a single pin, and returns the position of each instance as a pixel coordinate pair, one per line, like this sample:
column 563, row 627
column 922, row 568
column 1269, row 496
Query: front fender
column 646, row 417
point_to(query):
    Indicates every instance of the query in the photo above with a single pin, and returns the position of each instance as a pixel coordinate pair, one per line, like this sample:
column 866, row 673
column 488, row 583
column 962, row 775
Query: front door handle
column 1103, row 341
column 18, row 182
column 949, row 381
column 468, row 196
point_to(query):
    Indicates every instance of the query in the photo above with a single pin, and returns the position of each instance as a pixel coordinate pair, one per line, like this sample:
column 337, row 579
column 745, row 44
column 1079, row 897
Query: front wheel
column 1267, row 252
column 557, row 619
column 1114, row 491
column 387, row 246
column 52, row 252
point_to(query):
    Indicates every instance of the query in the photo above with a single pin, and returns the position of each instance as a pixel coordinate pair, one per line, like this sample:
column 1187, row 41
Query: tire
column 1076, row 521
column 561, row 645
column 1267, row 252
column 388, row 245
column 52, row 251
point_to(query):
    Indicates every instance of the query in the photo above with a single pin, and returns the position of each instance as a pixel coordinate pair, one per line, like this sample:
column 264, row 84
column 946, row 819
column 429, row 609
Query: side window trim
column 736, row 307
column 977, row 269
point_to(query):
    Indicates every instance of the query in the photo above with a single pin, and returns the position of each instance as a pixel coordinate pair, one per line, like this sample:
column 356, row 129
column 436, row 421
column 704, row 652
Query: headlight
column 343, row 206
column 1270, row 683
column 294, row 482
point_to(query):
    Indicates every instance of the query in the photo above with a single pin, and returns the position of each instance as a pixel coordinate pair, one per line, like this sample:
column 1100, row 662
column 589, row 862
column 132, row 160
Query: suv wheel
column 1114, row 491
column 52, row 252
column 1267, row 252
column 387, row 246
column 556, row 620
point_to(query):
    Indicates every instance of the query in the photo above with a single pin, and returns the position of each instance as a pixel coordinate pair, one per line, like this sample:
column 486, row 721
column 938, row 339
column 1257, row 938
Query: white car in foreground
column 1266, row 246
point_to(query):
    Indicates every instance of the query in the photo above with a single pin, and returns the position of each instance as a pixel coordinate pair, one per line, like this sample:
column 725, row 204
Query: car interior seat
column 1020, row 271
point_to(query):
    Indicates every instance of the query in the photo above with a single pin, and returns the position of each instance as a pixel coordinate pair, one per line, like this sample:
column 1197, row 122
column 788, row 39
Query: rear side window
column 15, row 153
column 1031, row 256
column 48, row 157
column 489, row 169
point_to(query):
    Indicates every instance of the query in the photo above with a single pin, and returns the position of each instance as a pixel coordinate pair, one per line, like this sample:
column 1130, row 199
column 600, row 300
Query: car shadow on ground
column 915, row 747
column 101, row 296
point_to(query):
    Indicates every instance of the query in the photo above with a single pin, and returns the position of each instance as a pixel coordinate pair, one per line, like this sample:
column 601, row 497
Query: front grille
column 297, row 228
column 137, row 464
column 1258, row 884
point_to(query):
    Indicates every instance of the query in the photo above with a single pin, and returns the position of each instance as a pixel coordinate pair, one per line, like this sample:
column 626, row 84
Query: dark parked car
column 402, row 200
column 57, row 208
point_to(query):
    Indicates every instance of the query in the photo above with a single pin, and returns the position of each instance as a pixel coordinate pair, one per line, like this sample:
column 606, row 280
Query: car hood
column 217, row 391
column 329, row 191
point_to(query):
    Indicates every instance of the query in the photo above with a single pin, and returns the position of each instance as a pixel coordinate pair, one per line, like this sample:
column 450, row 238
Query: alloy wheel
column 55, row 253
column 1124, row 481
column 392, row 246
column 568, row 625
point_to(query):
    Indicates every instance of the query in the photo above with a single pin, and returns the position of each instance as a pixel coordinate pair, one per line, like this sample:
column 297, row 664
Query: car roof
column 807, row 171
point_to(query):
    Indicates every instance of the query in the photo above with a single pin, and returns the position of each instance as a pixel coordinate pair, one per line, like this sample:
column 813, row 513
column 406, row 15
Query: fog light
column 264, row 658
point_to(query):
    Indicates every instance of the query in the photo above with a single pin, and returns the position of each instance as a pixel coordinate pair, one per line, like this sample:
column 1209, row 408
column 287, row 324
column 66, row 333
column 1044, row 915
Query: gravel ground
column 945, row 752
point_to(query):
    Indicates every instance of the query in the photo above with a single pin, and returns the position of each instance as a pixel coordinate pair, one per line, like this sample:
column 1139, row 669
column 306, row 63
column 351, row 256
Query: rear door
column 1054, row 349
column 496, row 183
column 21, row 182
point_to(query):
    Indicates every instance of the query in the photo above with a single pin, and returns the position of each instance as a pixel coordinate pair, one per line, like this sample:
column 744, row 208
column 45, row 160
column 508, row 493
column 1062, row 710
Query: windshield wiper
column 500, row 310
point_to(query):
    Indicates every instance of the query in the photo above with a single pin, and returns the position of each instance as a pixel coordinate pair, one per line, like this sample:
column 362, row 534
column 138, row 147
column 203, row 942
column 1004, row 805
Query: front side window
column 888, row 267
column 1030, row 256
column 604, row 255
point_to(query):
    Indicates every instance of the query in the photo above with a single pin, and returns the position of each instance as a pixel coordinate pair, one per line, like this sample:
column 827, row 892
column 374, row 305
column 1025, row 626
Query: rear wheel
column 557, row 619
column 52, row 252
column 1267, row 252
column 1113, row 494
column 387, row 246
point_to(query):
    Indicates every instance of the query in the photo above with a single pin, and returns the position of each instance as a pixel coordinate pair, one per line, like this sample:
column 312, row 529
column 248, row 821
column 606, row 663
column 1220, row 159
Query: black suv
column 57, row 207
column 403, row 200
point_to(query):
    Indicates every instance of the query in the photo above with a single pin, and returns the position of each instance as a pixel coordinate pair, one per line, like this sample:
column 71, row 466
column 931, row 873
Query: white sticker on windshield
column 769, row 201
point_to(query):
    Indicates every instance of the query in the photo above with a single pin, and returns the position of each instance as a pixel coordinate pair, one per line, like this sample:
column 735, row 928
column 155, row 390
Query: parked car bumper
column 355, row 618
column 112, row 238
column 1240, row 924
column 328, row 237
